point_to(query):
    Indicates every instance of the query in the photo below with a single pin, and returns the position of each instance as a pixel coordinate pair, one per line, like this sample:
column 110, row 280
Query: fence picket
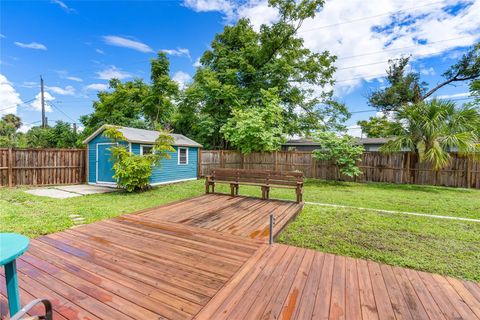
column 402, row 167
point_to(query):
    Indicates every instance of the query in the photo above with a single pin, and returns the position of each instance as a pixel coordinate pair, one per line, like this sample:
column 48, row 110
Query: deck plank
column 207, row 258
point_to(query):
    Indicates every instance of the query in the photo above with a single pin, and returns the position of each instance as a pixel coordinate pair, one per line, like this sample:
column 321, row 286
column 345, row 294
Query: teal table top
column 12, row 245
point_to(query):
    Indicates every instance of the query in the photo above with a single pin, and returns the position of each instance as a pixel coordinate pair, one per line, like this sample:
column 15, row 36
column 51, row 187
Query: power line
column 368, row 17
column 401, row 48
column 58, row 109
column 16, row 105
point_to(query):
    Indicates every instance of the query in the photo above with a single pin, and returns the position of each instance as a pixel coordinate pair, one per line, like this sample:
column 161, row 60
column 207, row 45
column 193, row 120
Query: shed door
column 104, row 163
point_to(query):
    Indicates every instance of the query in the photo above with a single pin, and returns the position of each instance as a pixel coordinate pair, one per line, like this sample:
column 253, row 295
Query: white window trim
column 178, row 156
column 146, row 145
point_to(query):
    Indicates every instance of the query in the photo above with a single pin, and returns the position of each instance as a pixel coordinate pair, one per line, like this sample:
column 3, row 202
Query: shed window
column 182, row 155
column 146, row 149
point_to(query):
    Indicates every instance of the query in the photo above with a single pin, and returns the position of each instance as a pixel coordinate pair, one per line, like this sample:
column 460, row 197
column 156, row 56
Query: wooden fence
column 401, row 167
column 42, row 166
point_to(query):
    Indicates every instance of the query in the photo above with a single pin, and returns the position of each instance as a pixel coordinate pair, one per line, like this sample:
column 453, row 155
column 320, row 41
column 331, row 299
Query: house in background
column 306, row 144
column 183, row 164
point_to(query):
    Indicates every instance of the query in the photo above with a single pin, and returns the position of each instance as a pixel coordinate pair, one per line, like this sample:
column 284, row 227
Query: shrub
column 132, row 171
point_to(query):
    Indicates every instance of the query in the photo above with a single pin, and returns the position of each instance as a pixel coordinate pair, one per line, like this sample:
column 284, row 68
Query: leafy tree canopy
column 433, row 128
column 406, row 88
column 376, row 127
column 256, row 129
column 242, row 62
column 62, row 135
column 9, row 135
column 135, row 103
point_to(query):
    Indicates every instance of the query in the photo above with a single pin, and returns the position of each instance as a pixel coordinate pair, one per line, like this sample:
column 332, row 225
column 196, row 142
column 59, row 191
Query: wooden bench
column 262, row 178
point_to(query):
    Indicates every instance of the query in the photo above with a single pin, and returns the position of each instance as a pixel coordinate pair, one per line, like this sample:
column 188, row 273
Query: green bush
column 133, row 171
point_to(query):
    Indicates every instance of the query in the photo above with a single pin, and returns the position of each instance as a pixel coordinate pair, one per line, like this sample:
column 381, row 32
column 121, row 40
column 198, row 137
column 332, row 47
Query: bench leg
column 232, row 189
column 267, row 192
column 299, row 194
column 236, row 189
column 207, row 187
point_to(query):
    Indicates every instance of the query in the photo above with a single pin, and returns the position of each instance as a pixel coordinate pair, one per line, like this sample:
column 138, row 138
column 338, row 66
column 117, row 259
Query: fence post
column 468, row 170
column 222, row 159
column 242, row 160
column 10, row 167
column 275, row 160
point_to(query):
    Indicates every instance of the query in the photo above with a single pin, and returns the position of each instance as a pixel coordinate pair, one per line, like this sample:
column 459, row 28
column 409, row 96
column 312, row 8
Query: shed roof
column 146, row 136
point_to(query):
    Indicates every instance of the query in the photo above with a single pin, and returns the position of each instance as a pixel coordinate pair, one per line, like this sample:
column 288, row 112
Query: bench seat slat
column 262, row 178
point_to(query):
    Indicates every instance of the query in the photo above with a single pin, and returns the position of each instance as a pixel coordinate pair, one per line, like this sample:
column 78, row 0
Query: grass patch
column 34, row 216
column 399, row 197
column 433, row 245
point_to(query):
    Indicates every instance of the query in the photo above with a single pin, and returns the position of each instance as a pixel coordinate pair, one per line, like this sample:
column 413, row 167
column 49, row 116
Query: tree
column 376, row 127
column 61, row 135
column 466, row 69
column 122, row 106
column 242, row 62
column 405, row 88
column 433, row 128
column 343, row 151
column 136, row 103
column 133, row 171
column 256, row 129
column 158, row 106
column 9, row 135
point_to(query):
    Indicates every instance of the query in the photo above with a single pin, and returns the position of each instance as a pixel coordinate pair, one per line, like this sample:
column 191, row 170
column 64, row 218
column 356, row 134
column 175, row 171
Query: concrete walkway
column 69, row 191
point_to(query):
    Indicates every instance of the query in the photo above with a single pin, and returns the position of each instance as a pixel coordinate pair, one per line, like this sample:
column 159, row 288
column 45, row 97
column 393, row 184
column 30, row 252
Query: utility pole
column 74, row 128
column 44, row 124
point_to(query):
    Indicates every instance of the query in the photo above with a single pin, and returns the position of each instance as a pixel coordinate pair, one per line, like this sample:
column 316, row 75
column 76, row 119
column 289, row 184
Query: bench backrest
column 270, row 177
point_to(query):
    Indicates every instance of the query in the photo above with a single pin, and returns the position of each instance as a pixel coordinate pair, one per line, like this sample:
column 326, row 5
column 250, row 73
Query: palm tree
column 433, row 128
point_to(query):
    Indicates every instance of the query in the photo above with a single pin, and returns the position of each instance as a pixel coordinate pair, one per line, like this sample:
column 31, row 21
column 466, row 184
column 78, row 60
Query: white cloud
column 25, row 127
column 97, row 87
column 182, row 78
column 30, row 84
column 63, row 6
column 67, row 91
column 354, row 131
column 31, row 45
column 454, row 96
column 127, row 43
column 2, row 35
column 113, row 72
column 197, row 63
column 177, row 52
column 224, row 6
column 99, row 51
column 9, row 97
column 76, row 79
column 37, row 103
column 427, row 71
column 364, row 35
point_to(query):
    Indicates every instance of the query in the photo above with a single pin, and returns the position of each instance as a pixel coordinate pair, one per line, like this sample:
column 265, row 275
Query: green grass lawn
column 435, row 245
column 413, row 198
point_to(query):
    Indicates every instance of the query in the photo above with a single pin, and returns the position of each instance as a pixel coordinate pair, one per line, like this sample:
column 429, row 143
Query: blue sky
column 78, row 45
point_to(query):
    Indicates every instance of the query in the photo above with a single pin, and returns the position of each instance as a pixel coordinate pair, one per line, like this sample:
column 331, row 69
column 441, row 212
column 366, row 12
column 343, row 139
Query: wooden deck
column 287, row 282
column 242, row 216
column 205, row 258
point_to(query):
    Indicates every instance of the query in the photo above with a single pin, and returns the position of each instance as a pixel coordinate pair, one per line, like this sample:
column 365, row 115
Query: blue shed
column 182, row 166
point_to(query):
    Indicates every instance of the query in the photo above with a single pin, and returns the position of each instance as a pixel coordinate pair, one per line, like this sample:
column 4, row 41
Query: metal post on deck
column 272, row 222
